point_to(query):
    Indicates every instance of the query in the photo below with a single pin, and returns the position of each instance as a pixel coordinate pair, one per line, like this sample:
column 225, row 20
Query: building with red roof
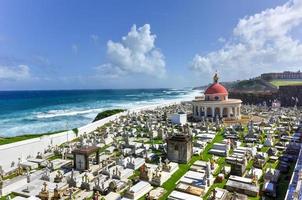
column 216, row 103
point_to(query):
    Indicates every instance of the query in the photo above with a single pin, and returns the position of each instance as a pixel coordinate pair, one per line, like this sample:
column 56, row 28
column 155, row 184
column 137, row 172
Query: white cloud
column 221, row 39
column 19, row 72
column 136, row 53
column 109, row 71
column 260, row 43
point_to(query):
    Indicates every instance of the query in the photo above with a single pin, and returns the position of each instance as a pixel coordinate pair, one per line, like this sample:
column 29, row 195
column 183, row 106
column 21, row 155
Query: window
column 176, row 147
column 216, row 98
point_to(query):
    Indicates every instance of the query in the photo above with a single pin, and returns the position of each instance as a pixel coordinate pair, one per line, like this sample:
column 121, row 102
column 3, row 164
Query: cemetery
column 166, row 153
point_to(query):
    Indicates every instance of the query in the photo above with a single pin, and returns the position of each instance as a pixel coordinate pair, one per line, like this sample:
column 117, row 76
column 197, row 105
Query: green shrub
column 107, row 113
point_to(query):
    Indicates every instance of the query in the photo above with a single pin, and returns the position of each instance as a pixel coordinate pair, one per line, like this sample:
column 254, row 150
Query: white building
column 179, row 118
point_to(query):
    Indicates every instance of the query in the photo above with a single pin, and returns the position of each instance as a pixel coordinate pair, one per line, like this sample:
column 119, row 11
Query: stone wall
column 290, row 94
column 254, row 98
column 11, row 152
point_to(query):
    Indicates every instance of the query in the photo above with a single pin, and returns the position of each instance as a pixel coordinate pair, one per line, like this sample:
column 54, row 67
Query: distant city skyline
column 145, row 44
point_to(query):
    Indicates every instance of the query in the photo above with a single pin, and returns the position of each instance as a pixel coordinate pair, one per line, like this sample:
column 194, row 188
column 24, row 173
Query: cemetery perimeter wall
column 22, row 149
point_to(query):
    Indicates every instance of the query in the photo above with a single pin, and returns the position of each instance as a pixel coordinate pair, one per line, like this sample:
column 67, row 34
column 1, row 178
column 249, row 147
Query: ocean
column 34, row 112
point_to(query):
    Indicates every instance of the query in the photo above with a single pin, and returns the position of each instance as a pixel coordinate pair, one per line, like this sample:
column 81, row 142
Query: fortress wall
column 289, row 94
column 254, row 98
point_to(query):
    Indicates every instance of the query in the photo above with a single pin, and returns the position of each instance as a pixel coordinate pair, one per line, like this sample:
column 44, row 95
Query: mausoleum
column 216, row 103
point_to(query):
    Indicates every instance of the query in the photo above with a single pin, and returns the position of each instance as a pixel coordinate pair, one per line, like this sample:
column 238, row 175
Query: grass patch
column 213, row 186
column 221, row 164
column 249, row 165
column 11, row 195
column 54, row 157
column 264, row 149
column 135, row 175
column 11, row 176
column 278, row 83
column 155, row 141
column 283, row 182
column 170, row 184
column 205, row 154
column 8, row 140
column 107, row 113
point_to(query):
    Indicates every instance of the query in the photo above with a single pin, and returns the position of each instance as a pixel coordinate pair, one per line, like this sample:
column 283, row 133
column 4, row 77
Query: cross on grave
column 27, row 175
column 80, row 164
column 45, row 186
column 214, row 194
column 72, row 171
column 96, row 196
column 166, row 161
column 70, row 193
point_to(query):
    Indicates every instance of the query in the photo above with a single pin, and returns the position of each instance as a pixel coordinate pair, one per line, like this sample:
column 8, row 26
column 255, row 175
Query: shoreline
column 40, row 117
column 30, row 147
column 138, row 107
column 38, row 135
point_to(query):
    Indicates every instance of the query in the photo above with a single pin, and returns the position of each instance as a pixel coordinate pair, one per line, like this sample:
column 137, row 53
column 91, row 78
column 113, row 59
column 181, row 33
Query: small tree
column 76, row 131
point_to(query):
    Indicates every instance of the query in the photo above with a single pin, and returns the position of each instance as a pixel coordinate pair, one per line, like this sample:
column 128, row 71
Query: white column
column 205, row 111
column 213, row 111
column 238, row 111
column 229, row 112
column 221, row 111
column 239, row 114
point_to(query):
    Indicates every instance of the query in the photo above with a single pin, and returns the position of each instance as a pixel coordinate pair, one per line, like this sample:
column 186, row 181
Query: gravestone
column 85, row 183
column 45, row 175
column 44, row 193
column 72, row 181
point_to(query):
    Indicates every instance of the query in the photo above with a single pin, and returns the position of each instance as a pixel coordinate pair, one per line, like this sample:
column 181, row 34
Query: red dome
column 216, row 88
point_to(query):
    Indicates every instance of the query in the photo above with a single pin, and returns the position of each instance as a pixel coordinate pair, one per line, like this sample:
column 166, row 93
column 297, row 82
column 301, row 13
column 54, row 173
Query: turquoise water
column 30, row 112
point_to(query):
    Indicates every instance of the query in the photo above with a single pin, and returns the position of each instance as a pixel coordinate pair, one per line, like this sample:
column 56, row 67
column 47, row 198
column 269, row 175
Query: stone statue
column 12, row 164
column 45, row 175
column 85, row 183
column 214, row 194
column 56, row 193
column 70, row 193
column 215, row 78
column 72, row 182
column 27, row 175
column 39, row 155
column 59, row 176
column 44, row 193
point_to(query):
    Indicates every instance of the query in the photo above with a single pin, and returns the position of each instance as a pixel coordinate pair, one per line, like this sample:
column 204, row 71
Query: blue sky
column 78, row 44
